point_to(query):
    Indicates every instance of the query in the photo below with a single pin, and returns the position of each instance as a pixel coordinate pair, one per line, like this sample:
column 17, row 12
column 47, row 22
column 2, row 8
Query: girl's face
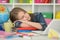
column 24, row 16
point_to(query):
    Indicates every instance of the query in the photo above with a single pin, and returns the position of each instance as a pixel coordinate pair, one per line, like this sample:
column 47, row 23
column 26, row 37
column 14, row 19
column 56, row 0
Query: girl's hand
column 23, row 24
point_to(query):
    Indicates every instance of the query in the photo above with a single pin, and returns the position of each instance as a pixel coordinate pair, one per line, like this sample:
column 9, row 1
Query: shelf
column 33, row 3
column 57, row 8
column 57, row 4
column 56, row 19
column 32, row 7
column 43, row 8
column 25, row 7
column 6, row 4
column 23, row 1
column 22, row 4
column 44, row 4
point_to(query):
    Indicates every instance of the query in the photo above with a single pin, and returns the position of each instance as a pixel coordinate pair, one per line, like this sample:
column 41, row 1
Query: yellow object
column 57, row 15
column 25, row 1
column 21, row 1
column 52, row 33
column 30, row 12
column 30, row 1
column 8, row 26
column 2, row 9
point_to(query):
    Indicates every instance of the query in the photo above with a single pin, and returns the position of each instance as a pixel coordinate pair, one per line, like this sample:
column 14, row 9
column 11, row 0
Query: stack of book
column 25, row 1
column 42, row 1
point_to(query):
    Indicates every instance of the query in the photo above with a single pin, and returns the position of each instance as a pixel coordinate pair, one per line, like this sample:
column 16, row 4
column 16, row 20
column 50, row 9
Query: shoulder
column 37, row 13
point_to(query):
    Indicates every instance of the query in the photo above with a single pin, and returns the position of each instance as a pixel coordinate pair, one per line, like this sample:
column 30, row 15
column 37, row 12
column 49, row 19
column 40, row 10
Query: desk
column 38, row 37
column 31, row 38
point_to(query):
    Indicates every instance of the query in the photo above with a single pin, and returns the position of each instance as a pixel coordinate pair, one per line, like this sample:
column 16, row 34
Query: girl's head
column 19, row 14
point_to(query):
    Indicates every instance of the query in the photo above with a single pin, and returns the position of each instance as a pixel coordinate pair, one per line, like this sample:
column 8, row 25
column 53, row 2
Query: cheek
column 20, row 16
column 25, row 19
column 27, row 16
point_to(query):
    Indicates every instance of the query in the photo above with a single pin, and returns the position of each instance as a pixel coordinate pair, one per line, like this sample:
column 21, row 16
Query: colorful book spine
column 38, row 1
column 46, row 1
column 25, row 1
column 3, row 1
column 58, row 1
column 20, row 1
column 48, row 15
column 57, row 16
column 42, row 1
column 11, row 1
column 30, row 1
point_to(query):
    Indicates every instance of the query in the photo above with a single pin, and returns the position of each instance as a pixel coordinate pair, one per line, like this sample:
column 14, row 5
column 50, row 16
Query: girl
column 27, row 20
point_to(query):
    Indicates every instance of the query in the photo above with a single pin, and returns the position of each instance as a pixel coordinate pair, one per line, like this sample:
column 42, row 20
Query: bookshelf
column 57, row 9
column 8, row 5
column 25, row 7
column 33, row 6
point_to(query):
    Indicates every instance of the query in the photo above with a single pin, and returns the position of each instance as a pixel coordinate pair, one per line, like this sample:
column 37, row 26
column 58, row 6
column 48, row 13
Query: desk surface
column 37, row 37
column 40, row 37
column 30, row 38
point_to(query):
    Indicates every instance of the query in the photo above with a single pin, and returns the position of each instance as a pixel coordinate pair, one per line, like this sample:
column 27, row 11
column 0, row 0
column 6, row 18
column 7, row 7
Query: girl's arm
column 21, row 24
column 31, row 24
column 24, row 25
